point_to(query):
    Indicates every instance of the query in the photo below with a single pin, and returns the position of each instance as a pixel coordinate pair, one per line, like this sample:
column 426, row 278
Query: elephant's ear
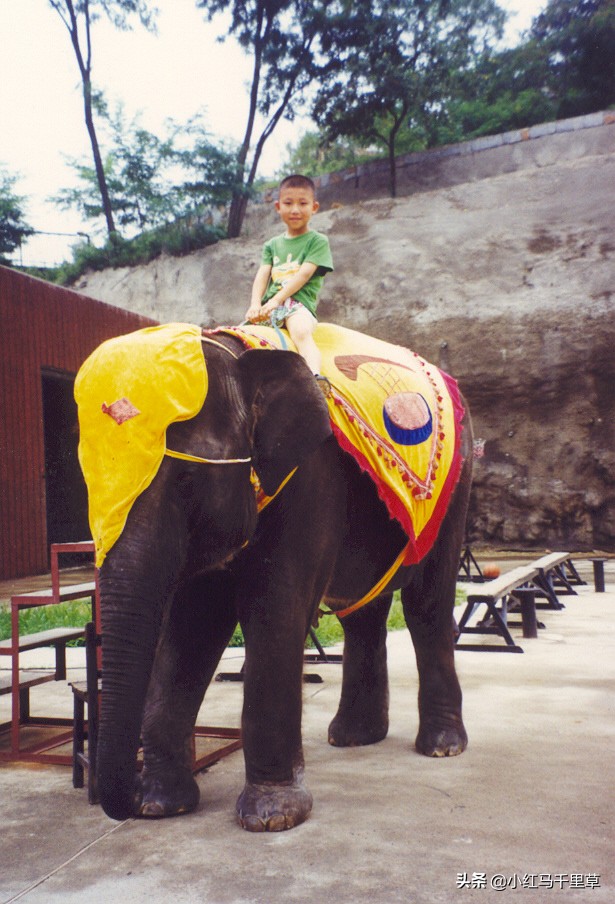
column 289, row 413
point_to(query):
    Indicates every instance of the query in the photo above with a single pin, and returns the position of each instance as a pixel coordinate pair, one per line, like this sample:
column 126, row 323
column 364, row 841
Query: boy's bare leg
column 300, row 325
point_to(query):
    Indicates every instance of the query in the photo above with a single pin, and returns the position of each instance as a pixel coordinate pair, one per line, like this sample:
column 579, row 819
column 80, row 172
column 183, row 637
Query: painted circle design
column 407, row 418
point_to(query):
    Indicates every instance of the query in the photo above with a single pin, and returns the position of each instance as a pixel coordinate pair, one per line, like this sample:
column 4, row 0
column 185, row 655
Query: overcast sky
column 175, row 74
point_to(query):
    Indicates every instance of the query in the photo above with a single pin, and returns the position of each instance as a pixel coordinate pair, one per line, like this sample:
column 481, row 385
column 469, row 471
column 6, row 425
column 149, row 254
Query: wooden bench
column 54, row 637
column 19, row 682
column 489, row 595
column 552, row 573
column 524, row 584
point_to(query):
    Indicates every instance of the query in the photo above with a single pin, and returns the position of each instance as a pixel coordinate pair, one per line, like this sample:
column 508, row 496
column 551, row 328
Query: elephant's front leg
column 363, row 713
column 196, row 632
column 274, row 797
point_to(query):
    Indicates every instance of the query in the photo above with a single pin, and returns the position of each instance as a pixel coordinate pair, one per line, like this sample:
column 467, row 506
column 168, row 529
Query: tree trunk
column 392, row 169
column 237, row 213
column 98, row 164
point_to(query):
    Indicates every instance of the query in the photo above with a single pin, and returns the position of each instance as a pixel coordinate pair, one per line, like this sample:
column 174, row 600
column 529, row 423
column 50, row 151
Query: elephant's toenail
column 277, row 823
column 152, row 809
column 253, row 824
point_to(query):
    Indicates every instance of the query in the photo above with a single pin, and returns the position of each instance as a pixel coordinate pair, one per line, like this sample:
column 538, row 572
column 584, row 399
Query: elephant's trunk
column 130, row 630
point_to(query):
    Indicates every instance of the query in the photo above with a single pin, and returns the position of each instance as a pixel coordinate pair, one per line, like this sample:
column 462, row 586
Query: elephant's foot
column 348, row 732
column 273, row 808
column 440, row 741
column 168, row 795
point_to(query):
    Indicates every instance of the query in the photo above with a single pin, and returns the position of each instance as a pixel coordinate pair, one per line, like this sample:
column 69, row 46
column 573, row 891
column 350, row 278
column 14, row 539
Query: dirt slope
column 507, row 282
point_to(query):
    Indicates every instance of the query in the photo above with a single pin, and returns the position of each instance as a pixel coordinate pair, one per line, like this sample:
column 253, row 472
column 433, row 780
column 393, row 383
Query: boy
column 293, row 266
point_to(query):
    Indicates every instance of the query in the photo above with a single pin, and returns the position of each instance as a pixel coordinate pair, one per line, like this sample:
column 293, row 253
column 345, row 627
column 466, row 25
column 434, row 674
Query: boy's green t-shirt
column 285, row 256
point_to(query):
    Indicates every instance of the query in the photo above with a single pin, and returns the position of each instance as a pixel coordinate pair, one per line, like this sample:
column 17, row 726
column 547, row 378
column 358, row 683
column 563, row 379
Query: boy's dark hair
column 298, row 181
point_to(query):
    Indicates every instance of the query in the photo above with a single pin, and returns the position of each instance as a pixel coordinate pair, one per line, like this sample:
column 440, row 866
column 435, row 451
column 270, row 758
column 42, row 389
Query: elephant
column 196, row 556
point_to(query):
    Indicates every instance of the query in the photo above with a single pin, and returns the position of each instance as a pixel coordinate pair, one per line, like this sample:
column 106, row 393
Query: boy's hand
column 253, row 313
column 266, row 309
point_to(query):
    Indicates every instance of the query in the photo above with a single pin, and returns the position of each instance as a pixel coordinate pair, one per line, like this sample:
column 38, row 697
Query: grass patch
column 330, row 632
column 72, row 614
column 77, row 612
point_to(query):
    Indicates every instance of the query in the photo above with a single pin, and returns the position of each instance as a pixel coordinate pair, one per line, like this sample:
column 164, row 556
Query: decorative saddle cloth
column 397, row 415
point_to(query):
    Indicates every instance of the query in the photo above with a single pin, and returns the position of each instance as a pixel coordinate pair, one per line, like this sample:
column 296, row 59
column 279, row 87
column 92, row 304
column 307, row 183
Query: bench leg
column 598, row 565
column 527, row 599
column 560, row 580
column 498, row 626
column 78, row 740
column 468, row 612
column 93, row 711
column 24, row 705
column 572, row 575
column 499, row 617
column 544, row 583
column 60, row 661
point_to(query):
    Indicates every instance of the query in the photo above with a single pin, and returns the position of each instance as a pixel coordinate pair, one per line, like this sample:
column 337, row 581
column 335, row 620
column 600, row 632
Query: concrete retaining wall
column 492, row 155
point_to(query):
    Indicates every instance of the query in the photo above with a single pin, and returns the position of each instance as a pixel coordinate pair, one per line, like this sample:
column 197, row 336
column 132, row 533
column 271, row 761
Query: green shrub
column 175, row 239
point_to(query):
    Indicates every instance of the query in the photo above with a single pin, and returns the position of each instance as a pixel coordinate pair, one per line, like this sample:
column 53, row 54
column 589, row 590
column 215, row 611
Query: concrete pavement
column 529, row 805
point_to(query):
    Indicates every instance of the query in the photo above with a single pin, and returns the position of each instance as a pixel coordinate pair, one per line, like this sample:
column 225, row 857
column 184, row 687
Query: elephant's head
column 261, row 405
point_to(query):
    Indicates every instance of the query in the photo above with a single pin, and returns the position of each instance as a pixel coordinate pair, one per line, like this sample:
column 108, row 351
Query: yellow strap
column 185, row 456
column 377, row 589
column 265, row 500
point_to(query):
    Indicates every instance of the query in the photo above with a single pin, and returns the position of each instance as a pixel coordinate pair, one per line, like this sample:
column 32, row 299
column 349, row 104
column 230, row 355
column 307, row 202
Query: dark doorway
column 66, row 494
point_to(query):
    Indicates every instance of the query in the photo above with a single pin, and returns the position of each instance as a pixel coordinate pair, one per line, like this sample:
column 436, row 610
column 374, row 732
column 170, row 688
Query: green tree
column 152, row 181
column 283, row 38
column 13, row 227
column 577, row 38
column 503, row 91
column 564, row 66
column 78, row 16
column 314, row 154
column 395, row 63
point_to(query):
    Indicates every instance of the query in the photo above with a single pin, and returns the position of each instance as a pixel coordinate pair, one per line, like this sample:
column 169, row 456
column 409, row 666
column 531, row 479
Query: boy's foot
column 324, row 384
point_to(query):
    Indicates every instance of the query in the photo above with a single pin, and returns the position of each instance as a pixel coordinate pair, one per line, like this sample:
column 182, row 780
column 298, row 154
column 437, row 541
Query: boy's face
column 296, row 207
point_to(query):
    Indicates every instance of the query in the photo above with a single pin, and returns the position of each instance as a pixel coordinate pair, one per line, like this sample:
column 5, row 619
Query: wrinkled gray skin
column 180, row 577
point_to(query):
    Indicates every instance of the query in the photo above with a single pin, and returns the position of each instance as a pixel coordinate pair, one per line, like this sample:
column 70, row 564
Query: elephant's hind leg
column 195, row 635
column 363, row 713
column 428, row 608
column 429, row 601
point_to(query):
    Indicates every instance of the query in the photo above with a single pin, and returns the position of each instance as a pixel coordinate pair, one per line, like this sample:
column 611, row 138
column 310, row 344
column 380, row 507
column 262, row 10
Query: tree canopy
column 13, row 226
column 395, row 60
column 576, row 40
column 152, row 180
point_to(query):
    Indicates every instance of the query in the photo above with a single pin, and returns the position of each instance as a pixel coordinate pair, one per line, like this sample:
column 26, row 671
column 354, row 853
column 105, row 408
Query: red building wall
column 42, row 328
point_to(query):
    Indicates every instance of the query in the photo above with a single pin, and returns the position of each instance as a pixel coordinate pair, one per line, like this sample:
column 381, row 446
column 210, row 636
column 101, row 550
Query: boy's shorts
column 279, row 315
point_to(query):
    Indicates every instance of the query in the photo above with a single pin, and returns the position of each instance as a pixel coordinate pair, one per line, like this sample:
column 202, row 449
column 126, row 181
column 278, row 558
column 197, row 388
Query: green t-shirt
column 285, row 256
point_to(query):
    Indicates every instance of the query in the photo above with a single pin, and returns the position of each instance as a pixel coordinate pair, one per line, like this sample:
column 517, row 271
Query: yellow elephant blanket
column 128, row 392
column 397, row 415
